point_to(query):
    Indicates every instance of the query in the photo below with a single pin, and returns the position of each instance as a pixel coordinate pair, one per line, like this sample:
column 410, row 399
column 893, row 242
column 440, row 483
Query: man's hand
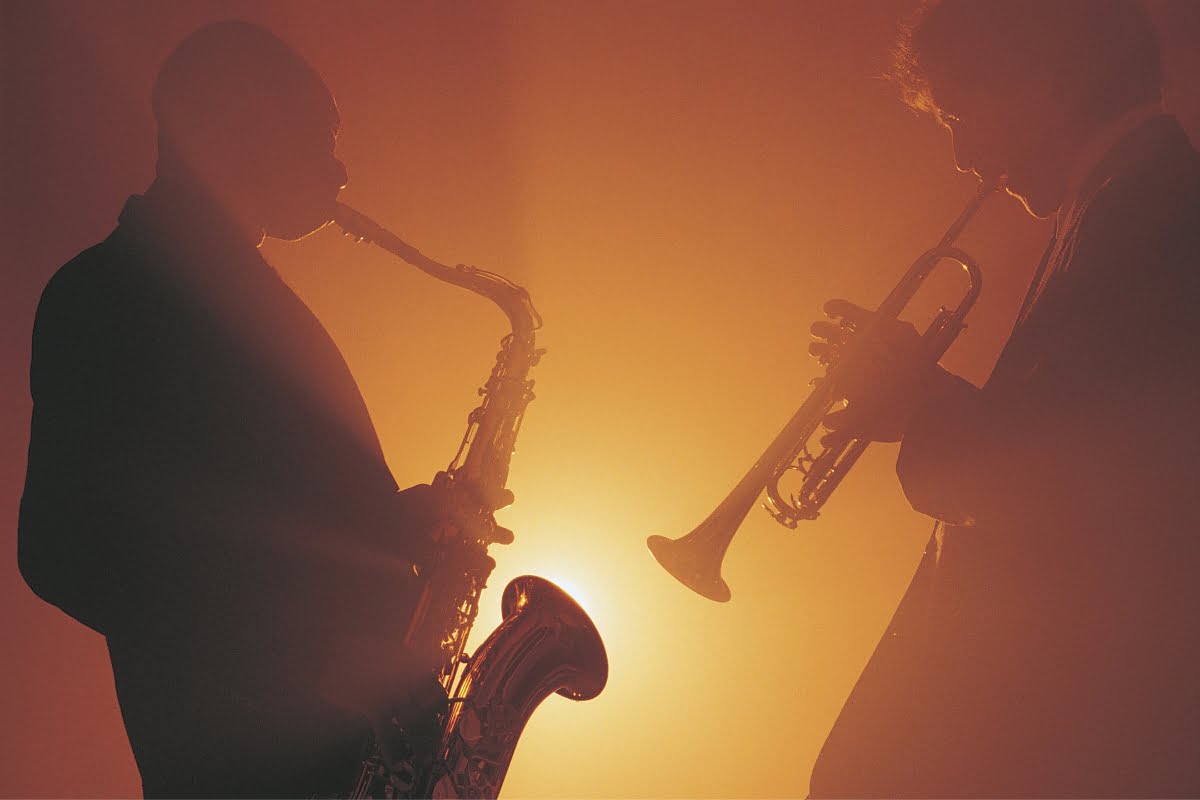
column 442, row 503
column 446, row 524
column 882, row 370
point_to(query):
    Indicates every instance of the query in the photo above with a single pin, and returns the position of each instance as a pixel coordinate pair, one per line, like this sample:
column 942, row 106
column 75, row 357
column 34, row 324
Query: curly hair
column 1104, row 53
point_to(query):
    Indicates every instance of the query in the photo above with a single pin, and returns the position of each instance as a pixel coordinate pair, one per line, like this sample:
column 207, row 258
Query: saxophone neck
column 480, row 467
column 513, row 299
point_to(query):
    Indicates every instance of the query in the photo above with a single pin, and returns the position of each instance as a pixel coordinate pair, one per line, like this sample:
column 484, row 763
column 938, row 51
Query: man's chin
column 293, row 230
column 1038, row 207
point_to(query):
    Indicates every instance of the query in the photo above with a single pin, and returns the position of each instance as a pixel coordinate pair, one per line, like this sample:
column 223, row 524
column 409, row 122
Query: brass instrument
column 695, row 559
column 546, row 642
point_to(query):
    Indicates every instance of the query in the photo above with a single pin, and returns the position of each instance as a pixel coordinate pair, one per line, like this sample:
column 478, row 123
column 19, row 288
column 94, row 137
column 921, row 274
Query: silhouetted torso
column 206, row 489
column 1050, row 649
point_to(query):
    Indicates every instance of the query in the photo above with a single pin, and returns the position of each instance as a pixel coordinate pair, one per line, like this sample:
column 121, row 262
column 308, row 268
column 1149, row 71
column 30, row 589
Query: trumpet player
column 1047, row 644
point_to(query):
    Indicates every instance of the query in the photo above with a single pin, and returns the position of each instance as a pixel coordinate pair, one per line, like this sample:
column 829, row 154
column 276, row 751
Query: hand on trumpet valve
column 880, row 368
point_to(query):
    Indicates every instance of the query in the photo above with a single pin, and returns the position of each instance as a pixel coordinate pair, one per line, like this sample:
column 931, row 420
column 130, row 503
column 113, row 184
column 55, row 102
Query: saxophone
column 546, row 643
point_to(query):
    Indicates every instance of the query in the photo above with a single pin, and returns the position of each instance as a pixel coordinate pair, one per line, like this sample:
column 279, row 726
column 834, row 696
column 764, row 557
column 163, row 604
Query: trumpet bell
column 692, row 563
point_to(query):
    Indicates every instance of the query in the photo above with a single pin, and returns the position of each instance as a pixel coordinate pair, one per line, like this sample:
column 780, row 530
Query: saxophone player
column 205, row 487
column 1046, row 646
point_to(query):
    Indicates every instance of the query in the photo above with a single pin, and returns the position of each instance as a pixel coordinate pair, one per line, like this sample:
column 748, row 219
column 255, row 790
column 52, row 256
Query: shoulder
column 89, row 308
column 105, row 282
column 81, row 283
column 1149, row 205
column 1137, row 246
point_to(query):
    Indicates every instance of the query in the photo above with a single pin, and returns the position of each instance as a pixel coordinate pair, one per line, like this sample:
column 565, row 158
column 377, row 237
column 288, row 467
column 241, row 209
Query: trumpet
column 695, row 559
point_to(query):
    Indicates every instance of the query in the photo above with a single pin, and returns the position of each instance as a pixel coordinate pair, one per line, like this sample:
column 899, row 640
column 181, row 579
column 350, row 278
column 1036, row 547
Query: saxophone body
column 546, row 643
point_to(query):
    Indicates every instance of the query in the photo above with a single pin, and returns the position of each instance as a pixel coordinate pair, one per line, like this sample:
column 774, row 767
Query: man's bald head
column 233, row 78
column 243, row 115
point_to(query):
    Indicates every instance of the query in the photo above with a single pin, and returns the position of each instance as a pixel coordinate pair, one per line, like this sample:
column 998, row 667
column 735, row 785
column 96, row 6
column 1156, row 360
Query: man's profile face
column 294, row 177
column 246, row 118
column 1022, row 133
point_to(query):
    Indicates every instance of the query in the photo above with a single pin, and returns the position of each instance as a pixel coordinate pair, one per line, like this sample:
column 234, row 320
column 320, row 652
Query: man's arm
column 1114, row 388
column 69, row 530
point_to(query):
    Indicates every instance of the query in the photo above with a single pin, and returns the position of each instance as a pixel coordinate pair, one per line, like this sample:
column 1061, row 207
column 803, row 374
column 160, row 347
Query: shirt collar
column 184, row 223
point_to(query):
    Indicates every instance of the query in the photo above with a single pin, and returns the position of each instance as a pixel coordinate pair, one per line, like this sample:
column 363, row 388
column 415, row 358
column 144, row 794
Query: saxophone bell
column 546, row 645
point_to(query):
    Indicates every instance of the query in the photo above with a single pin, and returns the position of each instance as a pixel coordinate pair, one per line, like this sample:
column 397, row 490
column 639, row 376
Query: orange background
column 680, row 185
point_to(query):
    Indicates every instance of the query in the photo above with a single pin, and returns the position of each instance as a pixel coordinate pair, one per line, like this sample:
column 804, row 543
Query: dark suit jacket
column 1050, row 650
column 205, row 488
